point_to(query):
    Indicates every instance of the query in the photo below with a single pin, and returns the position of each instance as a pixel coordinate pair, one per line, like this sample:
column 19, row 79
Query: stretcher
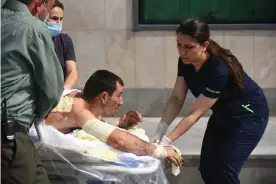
column 65, row 155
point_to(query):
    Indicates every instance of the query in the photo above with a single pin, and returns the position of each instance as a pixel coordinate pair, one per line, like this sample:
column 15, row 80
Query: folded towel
column 176, row 169
column 68, row 91
column 165, row 142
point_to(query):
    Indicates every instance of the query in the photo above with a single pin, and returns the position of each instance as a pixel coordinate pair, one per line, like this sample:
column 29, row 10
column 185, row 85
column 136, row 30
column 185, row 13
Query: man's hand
column 163, row 152
column 130, row 119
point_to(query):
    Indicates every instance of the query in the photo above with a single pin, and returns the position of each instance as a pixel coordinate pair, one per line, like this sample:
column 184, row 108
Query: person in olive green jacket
column 31, row 83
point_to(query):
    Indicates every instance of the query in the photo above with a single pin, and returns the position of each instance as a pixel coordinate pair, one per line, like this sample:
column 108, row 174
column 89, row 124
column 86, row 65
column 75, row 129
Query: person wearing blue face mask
column 64, row 46
column 54, row 28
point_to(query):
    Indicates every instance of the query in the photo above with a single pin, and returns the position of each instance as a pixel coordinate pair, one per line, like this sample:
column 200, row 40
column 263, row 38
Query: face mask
column 54, row 28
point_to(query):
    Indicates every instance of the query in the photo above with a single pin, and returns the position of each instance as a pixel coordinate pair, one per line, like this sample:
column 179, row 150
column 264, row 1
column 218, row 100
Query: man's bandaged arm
column 122, row 140
column 99, row 129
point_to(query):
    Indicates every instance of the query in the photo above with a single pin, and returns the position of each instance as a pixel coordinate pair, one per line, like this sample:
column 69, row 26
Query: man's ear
column 104, row 97
column 35, row 7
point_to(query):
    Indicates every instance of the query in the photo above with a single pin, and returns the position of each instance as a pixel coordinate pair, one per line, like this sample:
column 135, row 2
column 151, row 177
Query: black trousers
column 20, row 163
column 226, row 146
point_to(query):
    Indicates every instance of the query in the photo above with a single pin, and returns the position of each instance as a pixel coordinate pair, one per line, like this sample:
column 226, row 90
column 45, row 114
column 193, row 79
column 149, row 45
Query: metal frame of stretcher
column 64, row 168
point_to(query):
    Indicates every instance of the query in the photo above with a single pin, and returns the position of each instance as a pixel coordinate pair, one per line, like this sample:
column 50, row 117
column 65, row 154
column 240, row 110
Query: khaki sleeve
column 47, row 72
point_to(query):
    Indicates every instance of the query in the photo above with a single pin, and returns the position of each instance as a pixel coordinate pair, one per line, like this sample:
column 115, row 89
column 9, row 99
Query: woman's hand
column 173, row 156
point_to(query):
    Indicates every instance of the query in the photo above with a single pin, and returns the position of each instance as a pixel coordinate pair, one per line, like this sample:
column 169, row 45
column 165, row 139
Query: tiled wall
column 147, row 60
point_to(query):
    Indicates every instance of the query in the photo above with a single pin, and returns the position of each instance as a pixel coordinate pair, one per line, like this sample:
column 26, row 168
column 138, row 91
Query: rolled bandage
column 160, row 152
column 98, row 129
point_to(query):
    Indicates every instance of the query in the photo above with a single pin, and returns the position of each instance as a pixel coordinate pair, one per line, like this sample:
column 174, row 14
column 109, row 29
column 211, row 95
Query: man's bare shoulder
column 81, row 115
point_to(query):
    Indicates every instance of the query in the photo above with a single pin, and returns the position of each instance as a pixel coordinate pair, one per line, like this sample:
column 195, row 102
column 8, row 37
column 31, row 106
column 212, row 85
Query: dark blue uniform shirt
column 214, row 80
column 64, row 49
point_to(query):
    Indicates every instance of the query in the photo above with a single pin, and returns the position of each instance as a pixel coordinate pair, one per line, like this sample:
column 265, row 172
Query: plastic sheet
column 90, row 161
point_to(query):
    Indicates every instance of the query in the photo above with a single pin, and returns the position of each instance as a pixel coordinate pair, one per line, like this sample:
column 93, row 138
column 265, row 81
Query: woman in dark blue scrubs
column 217, row 79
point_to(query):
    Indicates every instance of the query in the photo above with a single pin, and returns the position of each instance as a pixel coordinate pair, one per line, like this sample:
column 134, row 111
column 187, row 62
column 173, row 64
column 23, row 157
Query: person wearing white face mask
column 64, row 46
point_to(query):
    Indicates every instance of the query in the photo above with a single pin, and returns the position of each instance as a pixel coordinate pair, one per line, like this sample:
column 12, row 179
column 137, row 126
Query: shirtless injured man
column 102, row 95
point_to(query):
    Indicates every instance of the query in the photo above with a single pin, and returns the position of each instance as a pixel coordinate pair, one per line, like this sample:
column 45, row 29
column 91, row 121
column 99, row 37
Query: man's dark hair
column 59, row 5
column 199, row 30
column 101, row 81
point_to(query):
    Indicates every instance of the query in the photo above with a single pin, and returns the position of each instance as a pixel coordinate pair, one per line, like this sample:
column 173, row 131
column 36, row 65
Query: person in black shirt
column 217, row 80
column 64, row 46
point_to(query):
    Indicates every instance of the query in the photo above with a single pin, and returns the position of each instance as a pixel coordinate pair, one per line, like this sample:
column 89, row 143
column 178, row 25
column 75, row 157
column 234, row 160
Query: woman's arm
column 216, row 81
column 172, row 108
column 201, row 105
column 176, row 101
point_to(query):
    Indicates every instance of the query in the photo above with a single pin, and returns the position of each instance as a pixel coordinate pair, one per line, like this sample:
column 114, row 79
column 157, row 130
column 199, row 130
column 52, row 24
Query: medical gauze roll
column 98, row 129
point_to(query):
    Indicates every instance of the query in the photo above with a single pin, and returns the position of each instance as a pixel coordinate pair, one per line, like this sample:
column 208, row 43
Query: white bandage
column 160, row 152
column 98, row 129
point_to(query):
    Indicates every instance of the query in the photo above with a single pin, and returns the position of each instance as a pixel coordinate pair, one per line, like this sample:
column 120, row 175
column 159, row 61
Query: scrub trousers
column 20, row 163
column 227, row 143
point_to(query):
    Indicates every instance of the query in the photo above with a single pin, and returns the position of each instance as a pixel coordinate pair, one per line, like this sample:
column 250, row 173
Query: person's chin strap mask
column 54, row 28
column 46, row 18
